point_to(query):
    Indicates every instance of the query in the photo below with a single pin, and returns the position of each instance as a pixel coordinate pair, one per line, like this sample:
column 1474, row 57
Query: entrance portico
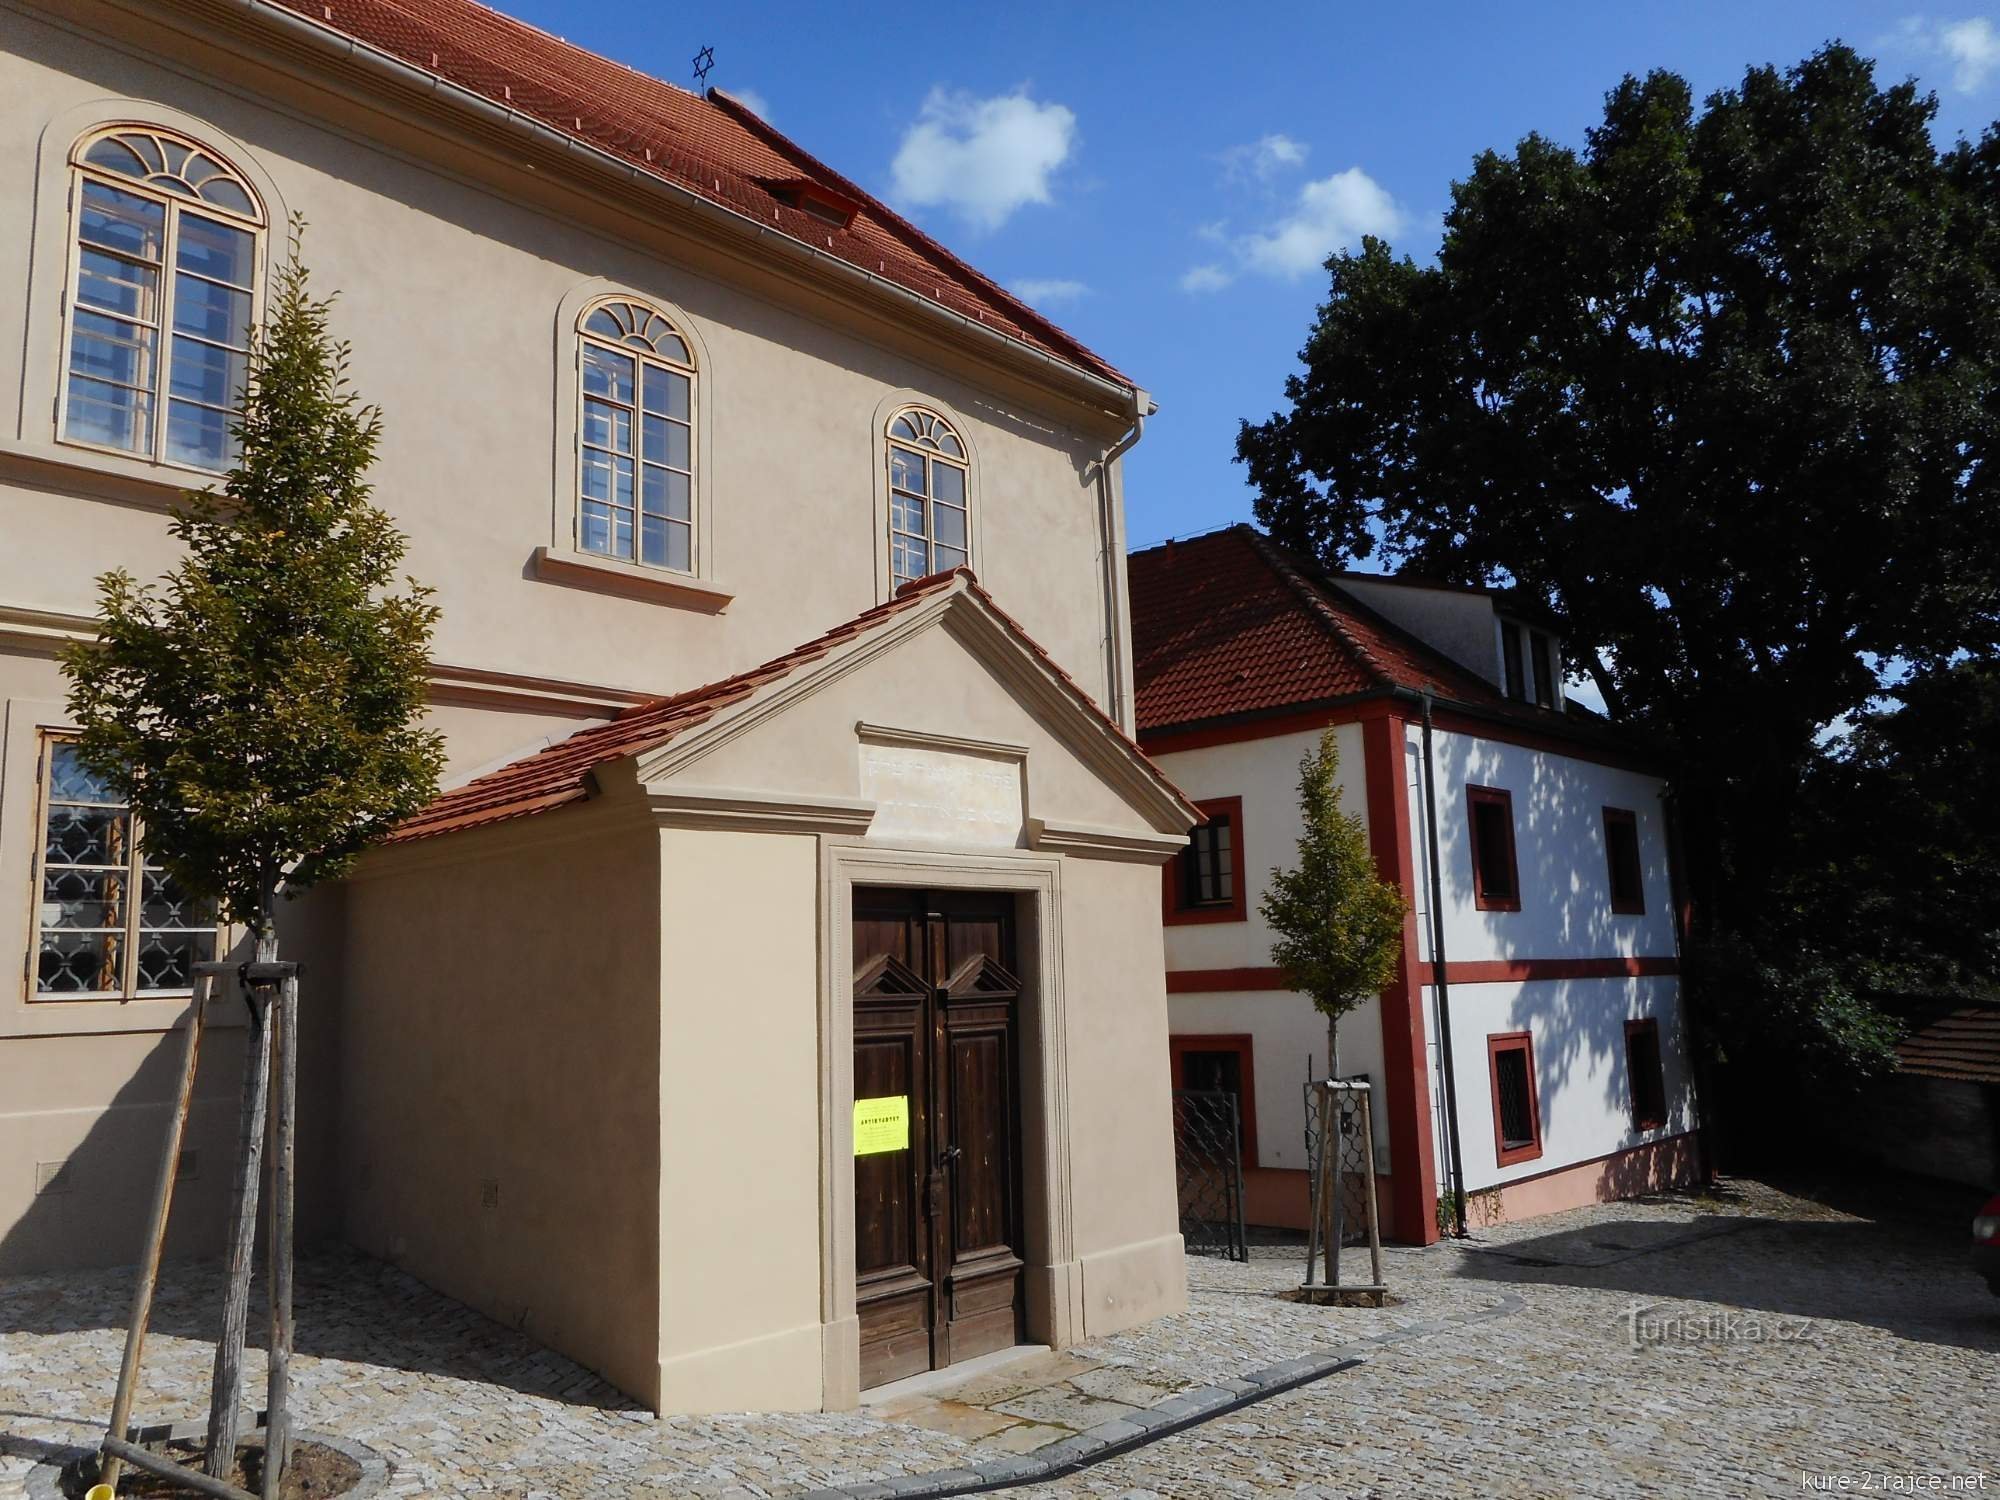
column 919, row 799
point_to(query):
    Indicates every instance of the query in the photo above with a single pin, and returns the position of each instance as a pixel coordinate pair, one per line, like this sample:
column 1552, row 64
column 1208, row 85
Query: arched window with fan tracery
column 929, row 504
column 167, row 249
column 636, row 441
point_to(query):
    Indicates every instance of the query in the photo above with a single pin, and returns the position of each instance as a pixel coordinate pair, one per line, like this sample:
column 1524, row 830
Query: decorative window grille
column 110, row 924
column 1648, row 1079
column 636, row 468
column 929, row 513
column 1517, row 1124
column 166, row 253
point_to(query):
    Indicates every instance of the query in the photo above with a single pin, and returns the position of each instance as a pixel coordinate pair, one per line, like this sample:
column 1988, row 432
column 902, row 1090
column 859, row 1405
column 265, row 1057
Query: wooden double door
column 937, row 1223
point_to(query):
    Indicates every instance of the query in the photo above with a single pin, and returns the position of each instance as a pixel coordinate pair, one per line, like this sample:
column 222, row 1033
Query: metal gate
column 1208, row 1166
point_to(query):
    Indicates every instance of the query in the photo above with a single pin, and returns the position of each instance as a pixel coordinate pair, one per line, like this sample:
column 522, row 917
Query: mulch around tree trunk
column 315, row 1473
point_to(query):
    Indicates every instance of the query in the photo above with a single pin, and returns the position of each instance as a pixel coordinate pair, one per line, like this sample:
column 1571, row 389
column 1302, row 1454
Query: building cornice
column 1091, row 842
column 44, row 632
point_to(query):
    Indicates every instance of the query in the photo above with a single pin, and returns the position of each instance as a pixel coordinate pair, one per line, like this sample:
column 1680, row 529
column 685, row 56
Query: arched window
column 928, row 530
column 635, row 470
column 167, row 251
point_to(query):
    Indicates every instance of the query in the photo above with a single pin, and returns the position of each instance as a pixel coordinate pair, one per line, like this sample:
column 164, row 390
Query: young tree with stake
column 1339, row 929
column 261, row 707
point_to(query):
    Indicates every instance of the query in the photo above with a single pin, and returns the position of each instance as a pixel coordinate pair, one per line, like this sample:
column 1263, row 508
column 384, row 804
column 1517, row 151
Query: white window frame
column 134, row 898
column 255, row 223
column 932, row 453
column 642, row 351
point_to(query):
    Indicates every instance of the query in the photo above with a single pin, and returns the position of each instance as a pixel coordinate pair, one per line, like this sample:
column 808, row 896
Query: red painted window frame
column 1181, row 1043
column 1638, row 1027
column 1497, row 797
column 1636, row 906
column 1513, row 1041
column 1174, row 910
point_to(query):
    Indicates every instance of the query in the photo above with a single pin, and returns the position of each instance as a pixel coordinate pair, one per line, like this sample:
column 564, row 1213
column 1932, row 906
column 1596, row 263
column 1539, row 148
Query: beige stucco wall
column 1127, row 1227
column 739, row 1202
column 500, row 1054
column 449, row 292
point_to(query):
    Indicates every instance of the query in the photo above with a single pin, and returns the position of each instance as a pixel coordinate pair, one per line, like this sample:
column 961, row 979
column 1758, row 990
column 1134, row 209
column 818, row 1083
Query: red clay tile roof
column 1964, row 1045
column 712, row 146
column 560, row 773
column 1231, row 624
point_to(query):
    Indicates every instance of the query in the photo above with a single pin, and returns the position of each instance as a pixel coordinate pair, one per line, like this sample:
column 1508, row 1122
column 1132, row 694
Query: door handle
column 948, row 1156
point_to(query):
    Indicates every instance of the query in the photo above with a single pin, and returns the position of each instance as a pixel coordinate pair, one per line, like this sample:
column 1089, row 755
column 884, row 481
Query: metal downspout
column 1438, row 982
column 1117, row 704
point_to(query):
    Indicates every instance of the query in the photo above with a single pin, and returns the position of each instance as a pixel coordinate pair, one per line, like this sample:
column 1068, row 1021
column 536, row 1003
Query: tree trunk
column 226, row 1391
column 1329, row 1150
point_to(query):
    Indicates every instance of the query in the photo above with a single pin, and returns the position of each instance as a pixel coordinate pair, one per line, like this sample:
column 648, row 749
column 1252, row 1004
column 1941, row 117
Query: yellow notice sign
column 881, row 1125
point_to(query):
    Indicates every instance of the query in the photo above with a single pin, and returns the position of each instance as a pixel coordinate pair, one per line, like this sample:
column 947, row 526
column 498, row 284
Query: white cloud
column 1972, row 47
column 1330, row 214
column 1263, row 159
column 982, row 158
column 1205, row 279
column 1046, row 292
column 753, row 101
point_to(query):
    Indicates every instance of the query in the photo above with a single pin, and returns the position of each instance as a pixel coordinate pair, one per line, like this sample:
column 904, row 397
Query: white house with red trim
column 1537, row 1004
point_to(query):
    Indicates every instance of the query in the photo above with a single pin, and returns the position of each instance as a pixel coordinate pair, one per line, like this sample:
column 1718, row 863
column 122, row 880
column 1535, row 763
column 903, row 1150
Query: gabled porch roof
column 563, row 772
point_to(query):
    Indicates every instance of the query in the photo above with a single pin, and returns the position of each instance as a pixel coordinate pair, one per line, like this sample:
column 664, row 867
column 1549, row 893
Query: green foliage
column 1899, row 853
column 1797, row 1032
column 262, row 706
column 1720, row 392
column 1339, row 925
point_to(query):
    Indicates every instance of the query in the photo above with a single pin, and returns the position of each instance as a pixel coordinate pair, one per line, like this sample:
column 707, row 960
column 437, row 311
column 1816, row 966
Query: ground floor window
column 1220, row 1064
column 1642, row 1066
column 1517, row 1116
column 110, row 923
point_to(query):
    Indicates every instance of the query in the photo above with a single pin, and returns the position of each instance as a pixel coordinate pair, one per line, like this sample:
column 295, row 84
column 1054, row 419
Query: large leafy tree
column 1718, row 391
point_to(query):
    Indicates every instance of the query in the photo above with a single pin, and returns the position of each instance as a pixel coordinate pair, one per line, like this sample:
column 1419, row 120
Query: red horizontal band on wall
column 1474, row 971
column 1503, row 970
column 1209, row 981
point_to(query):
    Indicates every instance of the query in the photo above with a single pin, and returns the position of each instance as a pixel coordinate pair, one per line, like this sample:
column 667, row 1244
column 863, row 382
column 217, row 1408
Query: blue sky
column 1165, row 179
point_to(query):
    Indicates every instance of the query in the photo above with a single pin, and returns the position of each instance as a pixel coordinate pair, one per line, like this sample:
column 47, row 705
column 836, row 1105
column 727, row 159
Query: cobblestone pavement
column 1726, row 1344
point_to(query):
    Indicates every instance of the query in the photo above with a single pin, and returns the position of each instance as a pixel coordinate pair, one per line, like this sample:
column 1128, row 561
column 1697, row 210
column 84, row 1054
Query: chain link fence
column 1208, row 1166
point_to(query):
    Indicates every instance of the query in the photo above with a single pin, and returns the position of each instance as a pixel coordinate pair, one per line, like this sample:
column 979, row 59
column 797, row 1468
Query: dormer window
column 1529, row 661
column 814, row 198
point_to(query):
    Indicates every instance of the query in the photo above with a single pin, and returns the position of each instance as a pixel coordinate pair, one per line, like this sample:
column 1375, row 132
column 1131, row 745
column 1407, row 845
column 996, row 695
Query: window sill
column 107, row 473
column 48, row 1015
column 1189, row 916
column 609, row 576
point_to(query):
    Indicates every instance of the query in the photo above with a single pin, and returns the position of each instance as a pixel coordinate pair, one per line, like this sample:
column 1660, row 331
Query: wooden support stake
column 284, row 1133
column 225, row 1414
column 156, row 1230
column 1368, row 1174
column 166, row 1468
column 1316, row 1229
column 1336, row 1186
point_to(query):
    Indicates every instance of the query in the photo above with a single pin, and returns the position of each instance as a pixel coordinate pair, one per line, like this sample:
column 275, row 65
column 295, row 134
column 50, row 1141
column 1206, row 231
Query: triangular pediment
column 886, row 976
column 952, row 682
column 981, row 975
